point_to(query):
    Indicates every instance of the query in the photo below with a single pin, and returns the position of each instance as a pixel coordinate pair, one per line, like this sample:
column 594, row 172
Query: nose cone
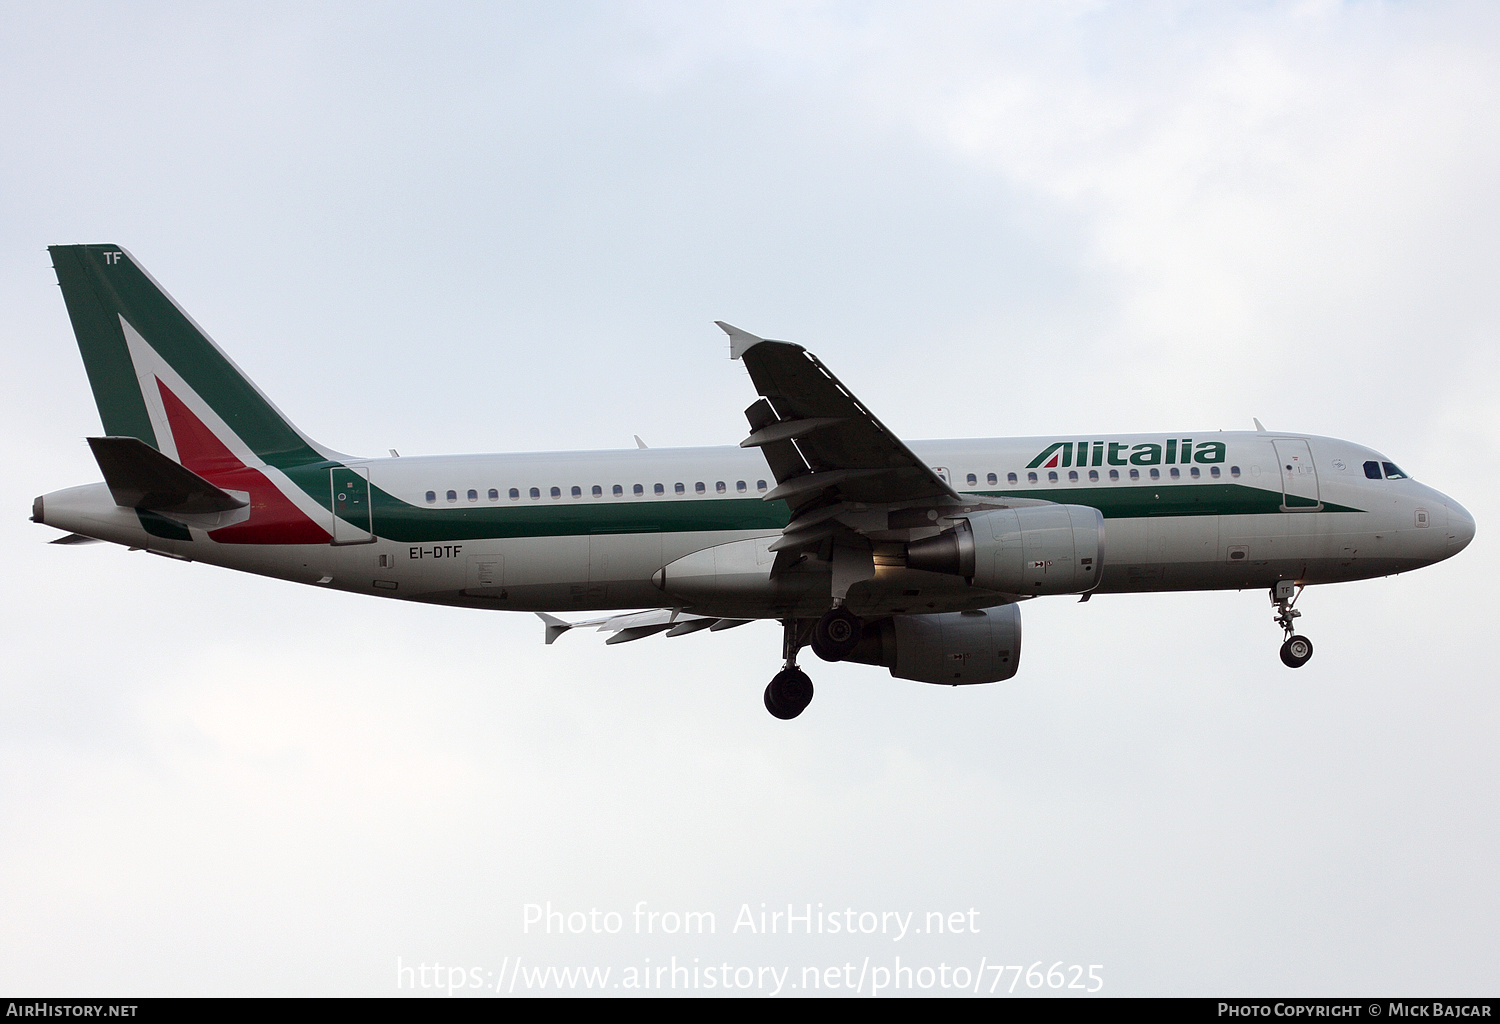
column 1460, row 527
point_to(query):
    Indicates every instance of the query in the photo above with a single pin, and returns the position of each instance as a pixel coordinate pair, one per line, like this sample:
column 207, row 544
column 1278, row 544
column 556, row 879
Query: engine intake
column 1045, row 549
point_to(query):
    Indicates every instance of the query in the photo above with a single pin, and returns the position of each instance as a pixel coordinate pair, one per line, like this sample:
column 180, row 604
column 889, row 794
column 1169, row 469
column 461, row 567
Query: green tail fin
column 129, row 330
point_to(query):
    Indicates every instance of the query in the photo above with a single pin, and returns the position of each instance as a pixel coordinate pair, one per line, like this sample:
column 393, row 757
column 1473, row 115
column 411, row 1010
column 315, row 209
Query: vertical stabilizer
column 147, row 362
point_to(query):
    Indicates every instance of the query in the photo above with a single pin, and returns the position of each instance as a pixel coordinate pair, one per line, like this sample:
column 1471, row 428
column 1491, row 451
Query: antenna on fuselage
column 1258, row 425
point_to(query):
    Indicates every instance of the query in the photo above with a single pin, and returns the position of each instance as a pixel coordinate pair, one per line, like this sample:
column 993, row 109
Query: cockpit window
column 1372, row 470
column 1392, row 473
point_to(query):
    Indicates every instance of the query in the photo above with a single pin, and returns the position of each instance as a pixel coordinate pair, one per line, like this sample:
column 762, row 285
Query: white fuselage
column 594, row 530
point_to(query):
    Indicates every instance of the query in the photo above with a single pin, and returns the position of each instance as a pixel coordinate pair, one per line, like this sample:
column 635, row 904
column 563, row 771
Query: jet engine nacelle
column 1044, row 549
column 982, row 646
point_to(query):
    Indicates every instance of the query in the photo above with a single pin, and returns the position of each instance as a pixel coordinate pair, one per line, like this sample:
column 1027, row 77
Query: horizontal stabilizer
column 75, row 538
column 139, row 476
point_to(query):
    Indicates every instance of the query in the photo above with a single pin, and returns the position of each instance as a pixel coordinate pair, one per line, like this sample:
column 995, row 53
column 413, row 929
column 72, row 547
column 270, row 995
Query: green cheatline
column 399, row 520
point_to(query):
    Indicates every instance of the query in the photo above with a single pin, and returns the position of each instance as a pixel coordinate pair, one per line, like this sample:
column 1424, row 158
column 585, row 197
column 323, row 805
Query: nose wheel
column 1297, row 650
column 790, row 691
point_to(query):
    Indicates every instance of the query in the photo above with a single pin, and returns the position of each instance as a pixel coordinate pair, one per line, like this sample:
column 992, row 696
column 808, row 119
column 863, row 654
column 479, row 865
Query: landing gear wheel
column 836, row 635
column 1296, row 651
column 789, row 693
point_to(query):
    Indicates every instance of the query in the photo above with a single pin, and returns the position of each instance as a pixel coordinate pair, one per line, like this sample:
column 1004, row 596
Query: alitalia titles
column 1117, row 453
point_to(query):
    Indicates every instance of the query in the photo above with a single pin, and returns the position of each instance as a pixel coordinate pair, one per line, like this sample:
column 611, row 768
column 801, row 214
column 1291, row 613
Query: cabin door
column 1299, row 479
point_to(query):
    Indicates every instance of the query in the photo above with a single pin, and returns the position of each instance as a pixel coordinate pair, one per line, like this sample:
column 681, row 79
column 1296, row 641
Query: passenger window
column 1156, row 474
column 494, row 494
column 431, row 497
column 577, row 491
column 1093, row 476
column 556, row 492
column 973, row 480
column 739, row 485
column 1072, row 476
column 1213, row 471
column 1176, row 473
column 1372, row 470
column 700, row 487
column 535, row 493
column 514, row 494
column 1234, row 471
column 473, row 494
column 659, row 489
column 597, row 491
column 992, row 480
column 760, row 485
column 1135, row 474
column 1195, row 472
column 679, row 488
column 1010, row 478
column 617, row 491
column 720, row 487
column 1052, row 477
column 452, row 495
column 1392, row 473
column 638, row 490
column 1031, row 478
column 1114, row 475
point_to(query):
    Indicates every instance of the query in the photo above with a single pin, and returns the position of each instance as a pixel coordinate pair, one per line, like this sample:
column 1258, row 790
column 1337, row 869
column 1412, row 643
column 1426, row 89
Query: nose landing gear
column 1296, row 650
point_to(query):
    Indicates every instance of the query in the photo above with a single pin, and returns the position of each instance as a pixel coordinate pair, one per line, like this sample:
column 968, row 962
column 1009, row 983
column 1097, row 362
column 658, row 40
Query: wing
column 850, row 482
column 822, row 444
column 635, row 625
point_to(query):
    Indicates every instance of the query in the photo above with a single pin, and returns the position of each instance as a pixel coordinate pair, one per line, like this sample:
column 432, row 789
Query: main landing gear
column 836, row 634
column 790, row 691
column 1297, row 650
column 832, row 638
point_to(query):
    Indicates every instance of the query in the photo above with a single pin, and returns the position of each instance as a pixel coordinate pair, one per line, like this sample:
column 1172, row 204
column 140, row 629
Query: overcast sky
column 489, row 227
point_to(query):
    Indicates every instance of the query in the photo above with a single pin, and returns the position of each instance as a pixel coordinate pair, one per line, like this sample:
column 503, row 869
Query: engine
column 1045, row 549
column 982, row 646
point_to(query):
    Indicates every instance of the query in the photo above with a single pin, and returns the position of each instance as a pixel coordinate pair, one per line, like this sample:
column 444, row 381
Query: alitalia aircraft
column 909, row 556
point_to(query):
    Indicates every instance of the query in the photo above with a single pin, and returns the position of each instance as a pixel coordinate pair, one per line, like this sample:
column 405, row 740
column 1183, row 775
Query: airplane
column 913, row 557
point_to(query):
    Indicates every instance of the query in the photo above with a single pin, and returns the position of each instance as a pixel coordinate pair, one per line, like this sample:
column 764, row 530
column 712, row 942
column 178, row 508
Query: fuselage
column 601, row 530
column 911, row 557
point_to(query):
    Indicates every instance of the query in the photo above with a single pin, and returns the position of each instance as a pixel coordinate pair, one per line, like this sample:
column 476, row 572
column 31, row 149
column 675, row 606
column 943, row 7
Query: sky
column 510, row 227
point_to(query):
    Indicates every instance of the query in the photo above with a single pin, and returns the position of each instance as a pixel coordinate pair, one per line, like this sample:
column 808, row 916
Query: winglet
column 740, row 341
column 555, row 627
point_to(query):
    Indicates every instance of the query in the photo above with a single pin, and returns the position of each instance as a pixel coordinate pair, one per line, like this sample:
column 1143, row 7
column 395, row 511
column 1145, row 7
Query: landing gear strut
column 1296, row 651
column 790, row 691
